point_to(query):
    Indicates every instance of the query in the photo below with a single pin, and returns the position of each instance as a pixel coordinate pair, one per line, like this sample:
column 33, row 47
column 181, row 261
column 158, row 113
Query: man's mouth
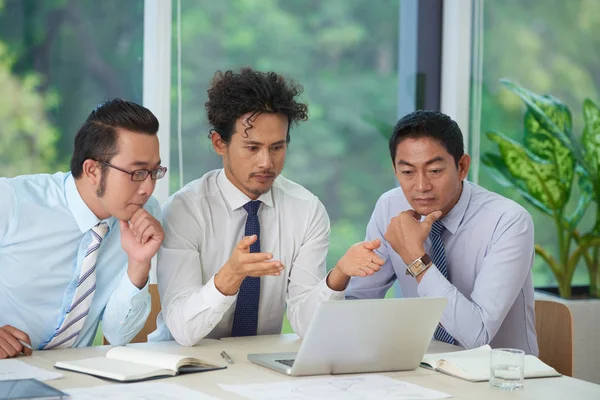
column 263, row 177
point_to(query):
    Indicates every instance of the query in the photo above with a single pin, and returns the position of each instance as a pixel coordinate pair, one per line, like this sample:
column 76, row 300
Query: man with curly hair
column 243, row 241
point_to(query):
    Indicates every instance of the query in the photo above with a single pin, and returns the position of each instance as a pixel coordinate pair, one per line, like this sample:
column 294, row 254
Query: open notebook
column 474, row 365
column 127, row 364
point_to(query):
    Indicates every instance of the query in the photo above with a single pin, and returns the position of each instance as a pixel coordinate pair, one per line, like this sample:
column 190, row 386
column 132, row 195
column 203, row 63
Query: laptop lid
column 356, row 336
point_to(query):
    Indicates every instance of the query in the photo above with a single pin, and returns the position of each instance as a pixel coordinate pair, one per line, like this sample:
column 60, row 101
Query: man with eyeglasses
column 75, row 248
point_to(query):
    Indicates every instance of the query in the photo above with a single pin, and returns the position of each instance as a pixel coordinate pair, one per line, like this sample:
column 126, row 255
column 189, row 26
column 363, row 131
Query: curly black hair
column 233, row 94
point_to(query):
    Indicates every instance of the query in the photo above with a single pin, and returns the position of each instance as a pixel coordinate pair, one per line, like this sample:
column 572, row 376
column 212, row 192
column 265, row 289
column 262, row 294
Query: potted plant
column 544, row 168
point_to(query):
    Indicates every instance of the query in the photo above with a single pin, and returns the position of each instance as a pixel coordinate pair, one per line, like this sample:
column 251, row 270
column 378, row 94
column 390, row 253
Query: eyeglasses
column 140, row 174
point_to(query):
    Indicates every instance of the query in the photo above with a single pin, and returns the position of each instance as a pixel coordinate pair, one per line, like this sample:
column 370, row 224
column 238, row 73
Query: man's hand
column 9, row 342
column 406, row 234
column 141, row 238
column 359, row 260
column 241, row 264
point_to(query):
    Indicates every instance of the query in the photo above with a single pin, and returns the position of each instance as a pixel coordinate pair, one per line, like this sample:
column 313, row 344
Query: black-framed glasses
column 139, row 175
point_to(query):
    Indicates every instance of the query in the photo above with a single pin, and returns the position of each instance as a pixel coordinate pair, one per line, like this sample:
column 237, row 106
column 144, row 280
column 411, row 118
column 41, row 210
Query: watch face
column 416, row 267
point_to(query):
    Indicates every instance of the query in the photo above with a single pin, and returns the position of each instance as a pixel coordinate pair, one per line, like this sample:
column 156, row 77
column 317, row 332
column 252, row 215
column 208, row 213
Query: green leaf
column 495, row 166
column 539, row 176
column 590, row 138
column 561, row 131
column 543, row 144
column 586, row 195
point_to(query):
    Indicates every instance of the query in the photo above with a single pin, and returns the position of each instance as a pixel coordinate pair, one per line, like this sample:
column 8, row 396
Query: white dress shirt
column 488, row 243
column 204, row 222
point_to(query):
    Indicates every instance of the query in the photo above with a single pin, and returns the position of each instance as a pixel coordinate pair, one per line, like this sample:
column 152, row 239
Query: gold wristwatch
column 419, row 265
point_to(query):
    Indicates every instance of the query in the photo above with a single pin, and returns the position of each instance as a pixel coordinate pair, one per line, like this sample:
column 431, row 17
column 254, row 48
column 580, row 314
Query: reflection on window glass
column 550, row 47
column 343, row 52
column 58, row 59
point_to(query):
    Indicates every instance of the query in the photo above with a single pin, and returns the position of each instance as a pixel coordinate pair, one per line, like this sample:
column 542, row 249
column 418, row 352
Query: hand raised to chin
column 407, row 234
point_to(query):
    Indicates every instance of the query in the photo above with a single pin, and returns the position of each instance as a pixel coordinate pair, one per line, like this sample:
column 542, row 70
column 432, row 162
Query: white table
column 242, row 371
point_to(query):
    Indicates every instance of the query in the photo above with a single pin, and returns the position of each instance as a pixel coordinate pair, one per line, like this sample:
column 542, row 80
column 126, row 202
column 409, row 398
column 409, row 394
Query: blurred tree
column 81, row 52
column 27, row 138
column 343, row 52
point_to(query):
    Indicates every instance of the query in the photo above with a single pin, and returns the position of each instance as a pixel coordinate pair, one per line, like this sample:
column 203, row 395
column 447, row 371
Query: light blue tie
column 438, row 255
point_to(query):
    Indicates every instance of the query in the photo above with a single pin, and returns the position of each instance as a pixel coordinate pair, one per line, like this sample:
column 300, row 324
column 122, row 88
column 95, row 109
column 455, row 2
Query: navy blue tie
column 245, row 318
column 438, row 256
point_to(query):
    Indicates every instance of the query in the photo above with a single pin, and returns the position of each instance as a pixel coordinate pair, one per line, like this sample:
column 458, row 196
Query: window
column 549, row 47
column 58, row 60
column 343, row 52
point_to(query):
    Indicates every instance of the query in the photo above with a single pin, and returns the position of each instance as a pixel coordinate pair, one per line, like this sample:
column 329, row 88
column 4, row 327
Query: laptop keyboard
column 289, row 363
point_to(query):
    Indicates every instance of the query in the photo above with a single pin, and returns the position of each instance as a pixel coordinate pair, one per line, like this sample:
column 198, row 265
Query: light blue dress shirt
column 44, row 234
column 489, row 248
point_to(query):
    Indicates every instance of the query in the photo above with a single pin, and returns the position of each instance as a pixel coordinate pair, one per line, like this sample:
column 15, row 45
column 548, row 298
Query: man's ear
column 218, row 144
column 92, row 170
column 463, row 166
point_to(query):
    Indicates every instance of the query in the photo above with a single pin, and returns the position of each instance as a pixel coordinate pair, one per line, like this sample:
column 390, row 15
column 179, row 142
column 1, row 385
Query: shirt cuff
column 433, row 284
column 215, row 299
column 328, row 293
column 131, row 292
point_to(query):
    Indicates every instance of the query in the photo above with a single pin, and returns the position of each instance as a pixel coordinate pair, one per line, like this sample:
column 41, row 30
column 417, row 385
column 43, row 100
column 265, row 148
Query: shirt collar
column 84, row 217
column 234, row 196
column 453, row 219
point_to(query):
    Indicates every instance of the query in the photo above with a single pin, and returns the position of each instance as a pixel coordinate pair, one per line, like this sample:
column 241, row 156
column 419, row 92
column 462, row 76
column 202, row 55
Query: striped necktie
column 66, row 334
column 438, row 255
column 245, row 318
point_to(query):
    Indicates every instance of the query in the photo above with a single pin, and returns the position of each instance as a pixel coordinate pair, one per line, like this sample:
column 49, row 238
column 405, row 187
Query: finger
column 246, row 242
column 9, row 344
column 367, row 270
column 377, row 260
column 374, row 267
column 431, row 218
column 359, row 272
column 263, row 268
column 372, row 245
column 3, row 354
column 20, row 335
column 250, row 258
column 140, row 228
column 413, row 214
column 147, row 234
column 139, row 215
column 124, row 226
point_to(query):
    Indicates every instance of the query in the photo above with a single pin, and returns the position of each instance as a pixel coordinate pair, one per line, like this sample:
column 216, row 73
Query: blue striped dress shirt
column 488, row 243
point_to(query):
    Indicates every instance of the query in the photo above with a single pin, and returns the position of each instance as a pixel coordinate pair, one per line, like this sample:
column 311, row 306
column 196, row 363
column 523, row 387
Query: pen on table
column 25, row 344
column 226, row 357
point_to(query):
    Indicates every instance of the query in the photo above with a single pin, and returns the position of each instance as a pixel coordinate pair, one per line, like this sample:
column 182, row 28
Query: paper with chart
column 358, row 387
column 15, row 369
column 137, row 391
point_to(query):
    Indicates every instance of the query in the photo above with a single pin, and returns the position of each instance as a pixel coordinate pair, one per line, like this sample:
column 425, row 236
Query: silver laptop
column 355, row 336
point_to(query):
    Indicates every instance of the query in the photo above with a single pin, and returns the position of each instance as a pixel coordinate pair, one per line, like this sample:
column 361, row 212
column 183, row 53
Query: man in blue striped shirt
column 75, row 248
column 443, row 236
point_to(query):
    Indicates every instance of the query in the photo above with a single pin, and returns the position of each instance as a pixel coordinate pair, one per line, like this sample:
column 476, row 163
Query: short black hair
column 428, row 123
column 233, row 94
column 97, row 137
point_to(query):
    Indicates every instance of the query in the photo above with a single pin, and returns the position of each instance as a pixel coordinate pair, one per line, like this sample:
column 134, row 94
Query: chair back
column 150, row 325
column 554, row 327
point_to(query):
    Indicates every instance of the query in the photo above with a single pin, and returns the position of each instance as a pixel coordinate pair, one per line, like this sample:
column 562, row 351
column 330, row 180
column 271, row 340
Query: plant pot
column 578, row 292
column 586, row 329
